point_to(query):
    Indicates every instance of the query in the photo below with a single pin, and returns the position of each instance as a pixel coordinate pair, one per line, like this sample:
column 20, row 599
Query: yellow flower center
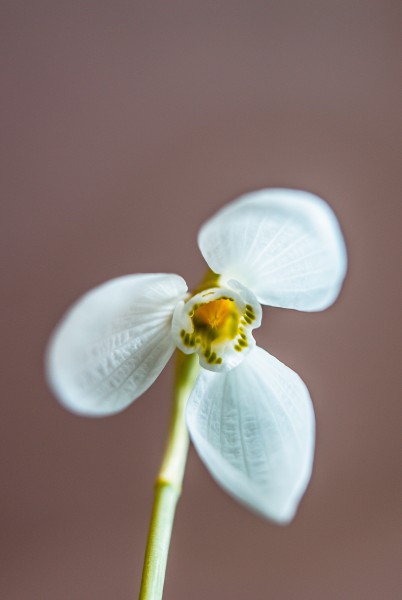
column 217, row 323
column 216, row 320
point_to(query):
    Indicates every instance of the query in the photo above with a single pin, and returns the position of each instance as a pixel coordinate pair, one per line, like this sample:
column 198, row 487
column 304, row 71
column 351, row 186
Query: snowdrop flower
column 249, row 416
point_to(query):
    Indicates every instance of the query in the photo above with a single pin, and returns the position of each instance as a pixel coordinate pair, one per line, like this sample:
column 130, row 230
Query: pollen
column 216, row 320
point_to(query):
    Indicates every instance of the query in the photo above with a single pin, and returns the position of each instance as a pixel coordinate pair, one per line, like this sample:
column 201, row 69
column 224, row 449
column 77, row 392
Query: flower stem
column 168, row 482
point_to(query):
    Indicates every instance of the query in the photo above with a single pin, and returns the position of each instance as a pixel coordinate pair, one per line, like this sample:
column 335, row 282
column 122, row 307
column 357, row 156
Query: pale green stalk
column 168, row 482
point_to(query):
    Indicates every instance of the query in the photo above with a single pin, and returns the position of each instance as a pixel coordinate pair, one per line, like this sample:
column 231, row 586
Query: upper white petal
column 286, row 245
column 254, row 429
column 113, row 343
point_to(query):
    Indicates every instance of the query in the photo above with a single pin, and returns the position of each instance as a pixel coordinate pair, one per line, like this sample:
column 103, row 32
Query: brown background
column 126, row 124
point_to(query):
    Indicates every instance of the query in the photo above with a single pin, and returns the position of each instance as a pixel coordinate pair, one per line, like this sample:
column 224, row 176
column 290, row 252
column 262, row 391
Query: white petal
column 254, row 429
column 286, row 245
column 113, row 343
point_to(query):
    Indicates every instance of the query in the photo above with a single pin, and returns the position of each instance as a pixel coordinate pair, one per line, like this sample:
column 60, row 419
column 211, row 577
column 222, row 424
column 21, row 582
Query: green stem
column 168, row 482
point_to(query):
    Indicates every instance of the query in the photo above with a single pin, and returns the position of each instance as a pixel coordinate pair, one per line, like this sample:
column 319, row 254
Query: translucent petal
column 285, row 245
column 113, row 343
column 254, row 429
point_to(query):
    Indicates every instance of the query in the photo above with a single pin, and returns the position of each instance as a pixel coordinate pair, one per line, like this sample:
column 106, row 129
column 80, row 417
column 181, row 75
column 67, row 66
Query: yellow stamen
column 216, row 320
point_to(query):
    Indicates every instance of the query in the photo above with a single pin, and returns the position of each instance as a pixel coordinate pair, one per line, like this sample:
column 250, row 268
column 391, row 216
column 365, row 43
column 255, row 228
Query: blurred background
column 125, row 125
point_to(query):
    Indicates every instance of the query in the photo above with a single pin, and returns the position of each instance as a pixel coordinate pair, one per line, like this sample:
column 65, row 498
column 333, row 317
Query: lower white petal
column 285, row 245
column 113, row 343
column 254, row 429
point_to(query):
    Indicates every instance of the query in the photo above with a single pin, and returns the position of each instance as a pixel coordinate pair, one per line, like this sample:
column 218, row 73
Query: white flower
column 250, row 417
